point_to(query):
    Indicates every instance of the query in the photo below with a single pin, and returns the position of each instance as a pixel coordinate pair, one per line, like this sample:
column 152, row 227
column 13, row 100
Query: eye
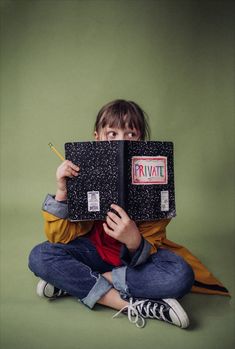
column 131, row 134
column 111, row 135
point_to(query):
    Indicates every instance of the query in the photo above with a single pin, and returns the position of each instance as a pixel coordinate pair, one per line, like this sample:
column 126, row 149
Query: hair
column 121, row 113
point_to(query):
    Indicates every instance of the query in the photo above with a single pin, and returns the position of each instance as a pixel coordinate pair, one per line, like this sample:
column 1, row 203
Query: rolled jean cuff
column 119, row 281
column 57, row 208
column 101, row 287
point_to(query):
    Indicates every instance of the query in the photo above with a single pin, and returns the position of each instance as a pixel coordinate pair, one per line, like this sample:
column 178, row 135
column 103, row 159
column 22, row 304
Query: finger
column 70, row 173
column 74, row 173
column 66, row 163
column 113, row 216
column 120, row 211
column 63, row 165
column 74, row 167
column 107, row 230
column 111, row 223
column 69, row 164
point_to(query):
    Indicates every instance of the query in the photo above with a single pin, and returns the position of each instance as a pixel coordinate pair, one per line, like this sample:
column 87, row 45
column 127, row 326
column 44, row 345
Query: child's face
column 117, row 134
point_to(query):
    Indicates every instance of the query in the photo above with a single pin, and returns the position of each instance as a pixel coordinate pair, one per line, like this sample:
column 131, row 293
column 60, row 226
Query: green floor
column 28, row 321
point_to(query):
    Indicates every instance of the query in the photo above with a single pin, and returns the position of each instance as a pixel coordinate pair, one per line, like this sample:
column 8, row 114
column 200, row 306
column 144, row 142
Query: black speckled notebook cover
column 136, row 175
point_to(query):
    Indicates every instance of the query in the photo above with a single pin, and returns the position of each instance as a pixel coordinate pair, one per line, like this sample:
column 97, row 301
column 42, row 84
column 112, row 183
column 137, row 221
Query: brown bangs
column 119, row 121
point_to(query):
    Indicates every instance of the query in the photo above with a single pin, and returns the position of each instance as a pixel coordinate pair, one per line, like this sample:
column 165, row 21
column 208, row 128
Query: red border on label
column 162, row 158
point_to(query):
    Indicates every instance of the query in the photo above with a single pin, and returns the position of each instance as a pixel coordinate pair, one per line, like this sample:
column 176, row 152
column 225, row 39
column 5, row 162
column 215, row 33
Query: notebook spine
column 122, row 192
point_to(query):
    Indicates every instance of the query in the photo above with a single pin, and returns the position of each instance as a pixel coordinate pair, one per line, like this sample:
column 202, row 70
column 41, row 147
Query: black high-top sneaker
column 168, row 310
column 44, row 289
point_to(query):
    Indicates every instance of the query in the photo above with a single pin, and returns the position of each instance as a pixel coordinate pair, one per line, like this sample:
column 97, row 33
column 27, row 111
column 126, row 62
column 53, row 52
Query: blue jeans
column 77, row 268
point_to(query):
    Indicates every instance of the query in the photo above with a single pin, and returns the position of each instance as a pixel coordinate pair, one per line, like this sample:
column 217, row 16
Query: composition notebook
column 136, row 175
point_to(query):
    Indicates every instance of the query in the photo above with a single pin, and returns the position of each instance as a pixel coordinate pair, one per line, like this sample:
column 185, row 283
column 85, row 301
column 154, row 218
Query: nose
column 120, row 138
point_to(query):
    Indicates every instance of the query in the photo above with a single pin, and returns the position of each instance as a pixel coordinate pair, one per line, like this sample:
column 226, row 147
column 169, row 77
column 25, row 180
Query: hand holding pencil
column 66, row 169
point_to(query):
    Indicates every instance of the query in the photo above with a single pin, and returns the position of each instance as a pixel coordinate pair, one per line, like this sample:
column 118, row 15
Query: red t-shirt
column 107, row 247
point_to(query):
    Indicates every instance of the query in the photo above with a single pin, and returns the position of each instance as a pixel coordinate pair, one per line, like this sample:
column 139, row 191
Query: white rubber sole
column 44, row 289
column 177, row 313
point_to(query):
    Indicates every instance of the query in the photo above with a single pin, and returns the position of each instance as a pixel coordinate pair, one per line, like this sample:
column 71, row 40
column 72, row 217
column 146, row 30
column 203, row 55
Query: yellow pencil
column 56, row 151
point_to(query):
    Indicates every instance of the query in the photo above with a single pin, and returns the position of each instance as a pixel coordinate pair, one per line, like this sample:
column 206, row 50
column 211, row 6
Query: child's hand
column 66, row 169
column 122, row 228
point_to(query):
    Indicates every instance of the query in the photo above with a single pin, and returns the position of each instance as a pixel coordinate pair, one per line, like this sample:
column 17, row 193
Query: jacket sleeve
column 57, row 227
column 154, row 232
column 139, row 257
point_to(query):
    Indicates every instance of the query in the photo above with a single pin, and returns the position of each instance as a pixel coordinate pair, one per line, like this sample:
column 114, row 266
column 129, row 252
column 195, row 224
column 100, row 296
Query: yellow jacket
column 63, row 231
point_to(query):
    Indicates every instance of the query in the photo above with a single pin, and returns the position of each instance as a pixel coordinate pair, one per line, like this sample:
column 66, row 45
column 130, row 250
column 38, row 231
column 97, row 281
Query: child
column 117, row 263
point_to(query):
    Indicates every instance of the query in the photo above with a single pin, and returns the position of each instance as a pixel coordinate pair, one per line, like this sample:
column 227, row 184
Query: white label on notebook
column 149, row 170
column 164, row 200
column 93, row 199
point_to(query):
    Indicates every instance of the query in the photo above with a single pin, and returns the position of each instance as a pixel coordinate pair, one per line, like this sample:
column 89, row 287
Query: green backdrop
column 60, row 62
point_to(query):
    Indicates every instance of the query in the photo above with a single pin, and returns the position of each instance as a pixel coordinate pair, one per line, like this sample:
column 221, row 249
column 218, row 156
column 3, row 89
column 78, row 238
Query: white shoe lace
column 137, row 312
column 152, row 312
column 133, row 313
